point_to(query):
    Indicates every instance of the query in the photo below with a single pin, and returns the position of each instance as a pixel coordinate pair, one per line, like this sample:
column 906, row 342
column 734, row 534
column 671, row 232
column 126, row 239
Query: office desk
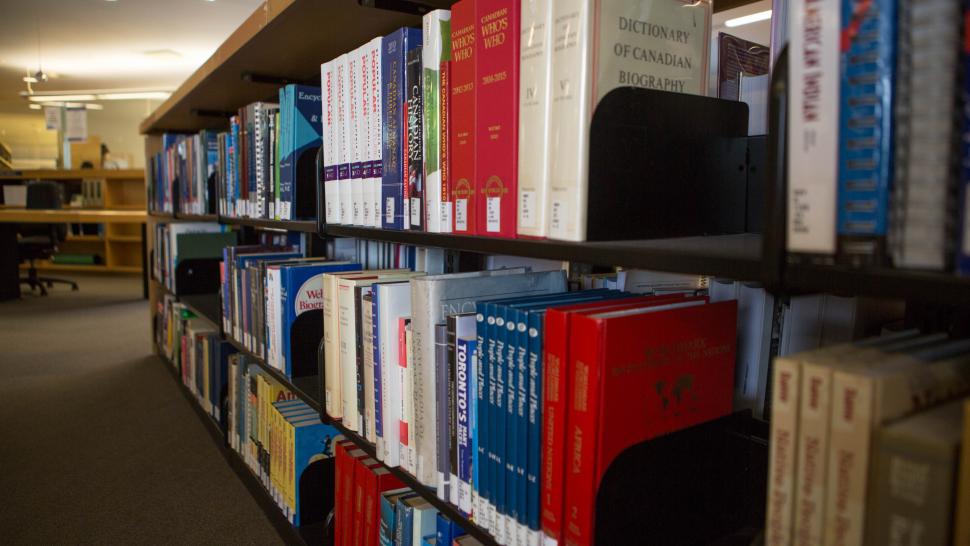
column 10, row 216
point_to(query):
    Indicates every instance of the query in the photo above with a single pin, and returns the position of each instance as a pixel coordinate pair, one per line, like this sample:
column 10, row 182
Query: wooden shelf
column 124, row 239
column 77, row 268
column 84, row 239
column 66, row 175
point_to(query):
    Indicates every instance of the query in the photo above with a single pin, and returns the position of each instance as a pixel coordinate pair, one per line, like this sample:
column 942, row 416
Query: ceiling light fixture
column 748, row 19
column 35, row 106
column 96, row 95
column 60, row 98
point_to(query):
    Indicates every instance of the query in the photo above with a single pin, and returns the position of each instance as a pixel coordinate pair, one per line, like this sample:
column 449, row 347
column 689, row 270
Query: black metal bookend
column 305, row 334
column 702, row 485
column 669, row 165
column 305, row 198
column 197, row 276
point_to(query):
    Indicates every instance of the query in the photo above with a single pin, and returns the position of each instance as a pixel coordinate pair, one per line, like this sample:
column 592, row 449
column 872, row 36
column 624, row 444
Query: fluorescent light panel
column 128, row 95
column 748, row 19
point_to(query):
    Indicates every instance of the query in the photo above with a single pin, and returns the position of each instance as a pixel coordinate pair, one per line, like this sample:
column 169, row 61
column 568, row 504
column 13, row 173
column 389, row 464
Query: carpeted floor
column 97, row 444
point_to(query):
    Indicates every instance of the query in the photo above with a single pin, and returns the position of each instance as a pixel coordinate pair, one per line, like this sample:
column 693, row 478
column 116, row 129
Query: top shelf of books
column 286, row 41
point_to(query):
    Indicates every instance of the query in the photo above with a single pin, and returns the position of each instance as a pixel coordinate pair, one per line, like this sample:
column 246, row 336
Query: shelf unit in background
column 120, row 243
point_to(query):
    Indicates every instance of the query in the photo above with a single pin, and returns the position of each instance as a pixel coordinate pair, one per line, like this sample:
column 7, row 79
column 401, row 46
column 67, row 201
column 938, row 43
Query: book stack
column 470, row 123
column 179, row 175
column 203, row 361
column 865, row 442
column 280, row 438
column 874, row 173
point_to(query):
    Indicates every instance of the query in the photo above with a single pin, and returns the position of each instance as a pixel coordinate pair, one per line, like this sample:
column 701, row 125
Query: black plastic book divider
column 668, row 165
column 701, row 485
column 304, row 194
column 306, row 329
column 197, row 276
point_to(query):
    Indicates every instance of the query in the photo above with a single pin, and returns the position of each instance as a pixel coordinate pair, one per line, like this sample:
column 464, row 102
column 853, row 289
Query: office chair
column 39, row 241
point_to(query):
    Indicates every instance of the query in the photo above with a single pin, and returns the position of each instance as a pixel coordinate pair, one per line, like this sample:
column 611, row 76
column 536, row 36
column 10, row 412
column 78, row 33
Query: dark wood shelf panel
column 197, row 217
column 305, row 226
column 306, row 388
column 298, row 536
column 161, row 215
column 885, row 282
column 427, row 493
column 731, row 256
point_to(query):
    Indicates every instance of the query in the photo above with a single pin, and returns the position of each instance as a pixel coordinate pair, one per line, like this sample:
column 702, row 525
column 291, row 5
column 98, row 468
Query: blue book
column 467, row 432
column 241, row 288
column 220, row 378
column 313, row 441
column 302, row 307
column 404, row 531
column 447, row 531
column 480, row 491
column 430, row 540
column 394, row 49
column 300, row 118
column 865, row 127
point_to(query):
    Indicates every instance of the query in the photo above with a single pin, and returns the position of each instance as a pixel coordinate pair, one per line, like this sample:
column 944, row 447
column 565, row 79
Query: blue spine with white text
column 301, row 123
column 395, row 47
column 867, row 65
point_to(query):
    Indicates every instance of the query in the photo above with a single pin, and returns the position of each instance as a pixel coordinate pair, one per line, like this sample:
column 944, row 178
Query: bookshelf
column 215, row 91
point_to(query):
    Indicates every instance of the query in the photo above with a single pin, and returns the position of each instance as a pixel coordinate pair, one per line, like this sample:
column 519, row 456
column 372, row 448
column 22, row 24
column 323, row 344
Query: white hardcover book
column 394, row 302
column 366, row 145
column 376, row 129
column 535, row 63
column 333, row 395
column 755, row 317
column 330, row 137
column 436, row 41
column 358, row 132
column 344, row 150
column 576, row 89
column 813, row 128
column 408, row 455
column 433, row 298
column 273, row 301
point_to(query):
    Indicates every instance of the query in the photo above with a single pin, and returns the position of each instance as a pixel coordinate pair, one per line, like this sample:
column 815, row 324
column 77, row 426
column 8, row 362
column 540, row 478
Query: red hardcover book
column 555, row 405
column 363, row 470
column 496, row 116
column 378, row 480
column 672, row 365
column 345, row 513
column 339, row 464
column 461, row 136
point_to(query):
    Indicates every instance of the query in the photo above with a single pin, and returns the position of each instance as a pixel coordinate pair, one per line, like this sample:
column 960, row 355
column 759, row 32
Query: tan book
column 865, row 397
column 785, row 391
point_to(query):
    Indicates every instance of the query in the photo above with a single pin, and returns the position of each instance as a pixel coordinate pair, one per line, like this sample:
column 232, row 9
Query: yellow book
column 961, row 516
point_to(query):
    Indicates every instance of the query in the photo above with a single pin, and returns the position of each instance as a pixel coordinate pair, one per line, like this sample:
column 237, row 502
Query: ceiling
column 102, row 44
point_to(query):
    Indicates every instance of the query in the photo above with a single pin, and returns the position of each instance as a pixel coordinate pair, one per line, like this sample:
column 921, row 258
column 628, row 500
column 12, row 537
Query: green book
column 74, row 259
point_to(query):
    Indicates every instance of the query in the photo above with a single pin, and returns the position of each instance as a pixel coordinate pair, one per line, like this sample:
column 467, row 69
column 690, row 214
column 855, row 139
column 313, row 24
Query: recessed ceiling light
column 748, row 19
column 34, row 106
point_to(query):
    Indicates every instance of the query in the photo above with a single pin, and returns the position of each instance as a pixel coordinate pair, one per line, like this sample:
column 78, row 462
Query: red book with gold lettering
column 638, row 374
column 377, row 480
column 496, row 116
column 461, row 135
column 555, row 403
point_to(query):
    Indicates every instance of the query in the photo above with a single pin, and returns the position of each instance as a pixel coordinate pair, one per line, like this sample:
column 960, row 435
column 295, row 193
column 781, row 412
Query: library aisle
column 98, row 444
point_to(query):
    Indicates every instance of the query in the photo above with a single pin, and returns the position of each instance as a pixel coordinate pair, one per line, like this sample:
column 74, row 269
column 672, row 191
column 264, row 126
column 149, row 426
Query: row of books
column 279, row 437
column 177, row 242
column 371, row 506
column 476, row 140
column 273, row 297
column 865, row 443
column 878, row 161
column 179, row 175
column 251, row 170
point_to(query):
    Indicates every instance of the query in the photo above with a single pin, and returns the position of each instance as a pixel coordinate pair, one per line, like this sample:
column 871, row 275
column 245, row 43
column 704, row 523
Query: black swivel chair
column 39, row 241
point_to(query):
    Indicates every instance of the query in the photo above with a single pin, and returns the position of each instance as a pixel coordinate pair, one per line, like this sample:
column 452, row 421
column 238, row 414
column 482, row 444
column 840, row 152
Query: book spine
column 358, row 133
column 391, row 387
column 379, row 376
column 447, row 208
column 436, row 41
column 370, row 371
column 480, row 492
column 344, row 140
column 511, row 429
column 963, row 230
column 414, row 193
column 409, row 403
column 376, row 129
column 535, row 64
column 848, row 455
column 866, row 86
column 534, row 423
column 785, row 392
column 333, row 395
column 521, row 417
column 392, row 138
column 584, row 368
column 347, row 349
column 461, row 132
column 494, row 409
column 813, row 130
column 424, row 299
column 451, row 394
column 812, row 433
column 554, row 409
column 443, row 468
column 465, row 371
column 406, row 399
column 569, row 120
column 496, row 115
column 366, row 123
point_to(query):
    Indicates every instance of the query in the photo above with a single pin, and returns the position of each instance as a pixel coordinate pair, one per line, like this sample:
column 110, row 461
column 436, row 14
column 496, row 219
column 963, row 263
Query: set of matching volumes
column 372, row 507
column 865, row 443
column 457, row 127
column 877, row 117
column 278, row 436
column 471, row 382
